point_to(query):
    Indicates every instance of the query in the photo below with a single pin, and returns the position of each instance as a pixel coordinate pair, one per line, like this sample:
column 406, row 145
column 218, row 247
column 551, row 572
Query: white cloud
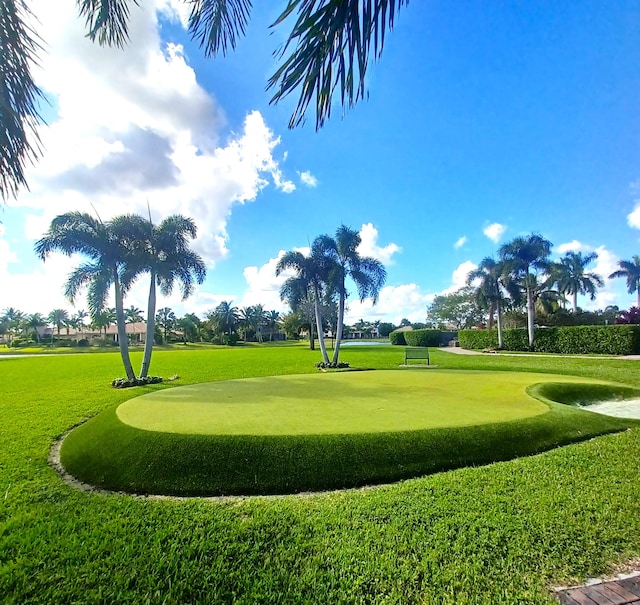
column 461, row 242
column 495, row 231
column 138, row 128
column 573, row 246
column 459, row 276
column 394, row 304
column 263, row 286
column 369, row 246
column 633, row 218
column 308, row 179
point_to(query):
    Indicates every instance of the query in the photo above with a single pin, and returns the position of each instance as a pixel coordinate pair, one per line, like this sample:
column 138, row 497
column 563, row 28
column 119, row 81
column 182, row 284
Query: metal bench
column 416, row 353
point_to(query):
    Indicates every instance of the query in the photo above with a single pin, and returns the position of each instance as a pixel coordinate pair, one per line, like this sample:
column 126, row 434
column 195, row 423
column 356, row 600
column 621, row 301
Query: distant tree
column 385, row 328
column 166, row 321
column 404, row 322
column 101, row 320
column 13, row 318
column 191, row 326
column 59, row 318
column 291, row 324
column 630, row 270
column 223, row 321
column 272, row 320
column 133, row 315
column 571, row 277
column 457, row 309
column 33, row 322
column 524, row 257
column 77, row 320
column 632, row 316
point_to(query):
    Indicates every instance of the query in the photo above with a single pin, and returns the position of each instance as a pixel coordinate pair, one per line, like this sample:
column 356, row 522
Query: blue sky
column 484, row 121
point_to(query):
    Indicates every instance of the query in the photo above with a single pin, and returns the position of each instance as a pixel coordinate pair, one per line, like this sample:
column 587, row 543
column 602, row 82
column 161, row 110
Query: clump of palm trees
column 525, row 274
column 321, row 277
column 115, row 253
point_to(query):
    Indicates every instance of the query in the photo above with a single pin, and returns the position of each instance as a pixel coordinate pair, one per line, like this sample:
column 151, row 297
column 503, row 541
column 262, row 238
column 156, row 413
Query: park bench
column 416, row 353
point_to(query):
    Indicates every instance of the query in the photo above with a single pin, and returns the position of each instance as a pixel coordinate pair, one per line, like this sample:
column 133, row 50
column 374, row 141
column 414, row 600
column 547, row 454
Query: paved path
column 615, row 592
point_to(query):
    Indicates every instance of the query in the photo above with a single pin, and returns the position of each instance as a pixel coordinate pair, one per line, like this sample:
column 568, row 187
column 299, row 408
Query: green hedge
column 397, row 338
column 423, row 338
column 607, row 340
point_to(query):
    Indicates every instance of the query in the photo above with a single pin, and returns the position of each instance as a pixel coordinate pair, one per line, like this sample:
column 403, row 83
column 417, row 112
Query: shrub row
column 423, row 338
column 607, row 340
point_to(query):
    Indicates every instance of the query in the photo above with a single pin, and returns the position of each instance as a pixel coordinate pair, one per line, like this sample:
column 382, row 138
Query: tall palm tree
column 344, row 262
column 307, row 283
column 489, row 275
column 523, row 258
column 163, row 252
column 33, row 322
column 59, row 318
column 630, row 270
column 327, row 51
column 106, row 246
column 571, row 277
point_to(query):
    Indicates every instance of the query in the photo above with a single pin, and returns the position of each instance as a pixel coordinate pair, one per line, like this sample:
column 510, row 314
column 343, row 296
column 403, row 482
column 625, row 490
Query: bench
column 416, row 353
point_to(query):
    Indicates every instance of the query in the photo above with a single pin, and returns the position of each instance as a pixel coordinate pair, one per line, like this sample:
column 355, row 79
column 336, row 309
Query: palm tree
column 133, row 315
column 77, row 321
column 59, row 318
column 327, row 51
column 343, row 260
column 103, row 319
column 14, row 318
column 571, row 278
column 163, row 252
column 226, row 317
column 523, row 258
column 272, row 320
column 106, row 246
column 489, row 275
column 307, row 283
column 630, row 270
column 33, row 322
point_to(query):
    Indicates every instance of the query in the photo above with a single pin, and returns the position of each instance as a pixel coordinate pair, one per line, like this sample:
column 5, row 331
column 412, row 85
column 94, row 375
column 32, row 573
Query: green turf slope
column 314, row 453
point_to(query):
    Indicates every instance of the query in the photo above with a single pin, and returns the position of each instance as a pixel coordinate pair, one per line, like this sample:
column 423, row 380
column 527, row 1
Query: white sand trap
column 623, row 408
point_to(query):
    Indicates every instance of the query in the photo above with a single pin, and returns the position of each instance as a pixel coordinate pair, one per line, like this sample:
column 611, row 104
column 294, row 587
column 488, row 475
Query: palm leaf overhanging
column 19, row 96
column 328, row 49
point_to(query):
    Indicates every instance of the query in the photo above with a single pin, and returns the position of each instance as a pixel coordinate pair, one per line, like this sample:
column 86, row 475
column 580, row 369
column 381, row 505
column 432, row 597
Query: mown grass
column 501, row 533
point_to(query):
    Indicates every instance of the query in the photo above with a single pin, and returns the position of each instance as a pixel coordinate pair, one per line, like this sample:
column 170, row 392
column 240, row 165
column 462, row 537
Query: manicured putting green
column 338, row 403
column 287, row 434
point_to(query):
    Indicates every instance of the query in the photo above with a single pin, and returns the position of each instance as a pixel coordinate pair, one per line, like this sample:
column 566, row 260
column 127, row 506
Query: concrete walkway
column 459, row 351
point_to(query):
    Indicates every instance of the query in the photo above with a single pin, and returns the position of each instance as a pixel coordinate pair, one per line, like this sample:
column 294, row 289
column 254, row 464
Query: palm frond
column 217, row 24
column 106, row 20
column 333, row 41
column 19, row 96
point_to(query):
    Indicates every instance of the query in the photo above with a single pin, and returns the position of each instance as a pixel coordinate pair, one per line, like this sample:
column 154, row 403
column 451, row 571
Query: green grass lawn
column 501, row 533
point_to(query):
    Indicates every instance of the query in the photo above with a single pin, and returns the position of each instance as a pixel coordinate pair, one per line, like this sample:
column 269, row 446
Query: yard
column 502, row 533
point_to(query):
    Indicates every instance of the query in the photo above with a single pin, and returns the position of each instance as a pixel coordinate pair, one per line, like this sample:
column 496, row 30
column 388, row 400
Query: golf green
column 339, row 403
column 286, row 434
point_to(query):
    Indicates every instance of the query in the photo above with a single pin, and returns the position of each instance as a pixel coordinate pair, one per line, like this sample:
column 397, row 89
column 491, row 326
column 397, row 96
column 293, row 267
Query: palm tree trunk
column 575, row 301
column 123, row 342
column 530, row 316
column 323, row 349
column 638, row 303
column 312, row 338
column 151, row 328
column 339, row 328
column 491, row 311
column 499, row 318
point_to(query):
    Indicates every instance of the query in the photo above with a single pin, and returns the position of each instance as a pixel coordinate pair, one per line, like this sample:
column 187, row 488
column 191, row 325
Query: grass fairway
column 286, row 434
column 501, row 533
